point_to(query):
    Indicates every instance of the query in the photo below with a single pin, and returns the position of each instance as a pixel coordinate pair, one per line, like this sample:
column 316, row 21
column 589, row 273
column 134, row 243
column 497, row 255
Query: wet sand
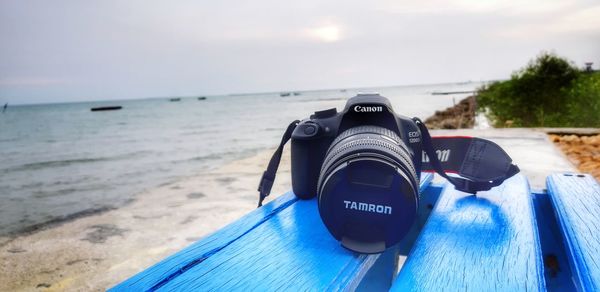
column 101, row 250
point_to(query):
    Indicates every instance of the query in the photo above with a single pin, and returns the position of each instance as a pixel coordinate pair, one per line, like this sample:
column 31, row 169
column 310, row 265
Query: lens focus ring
column 365, row 140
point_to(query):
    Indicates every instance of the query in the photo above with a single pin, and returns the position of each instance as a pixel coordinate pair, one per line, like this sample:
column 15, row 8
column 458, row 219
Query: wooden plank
column 576, row 200
column 177, row 264
column 281, row 245
column 487, row 242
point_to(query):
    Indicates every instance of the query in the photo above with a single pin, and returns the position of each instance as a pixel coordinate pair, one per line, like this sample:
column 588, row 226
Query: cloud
column 110, row 48
column 475, row 6
column 32, row 81
column 576, row 21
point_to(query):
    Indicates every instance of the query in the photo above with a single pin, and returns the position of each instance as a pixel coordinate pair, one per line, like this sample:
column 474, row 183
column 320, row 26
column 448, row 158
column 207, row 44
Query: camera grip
column 304, row 174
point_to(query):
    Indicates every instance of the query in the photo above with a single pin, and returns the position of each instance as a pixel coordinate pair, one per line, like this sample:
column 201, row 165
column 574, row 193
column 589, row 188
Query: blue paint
column 171, row 267
column 480, row 243
column 576, row 201
column 427, row 200
column 283, row 245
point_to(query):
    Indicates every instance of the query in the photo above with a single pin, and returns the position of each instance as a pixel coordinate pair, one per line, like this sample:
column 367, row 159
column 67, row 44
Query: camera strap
column 268, row 177
column 482, row 164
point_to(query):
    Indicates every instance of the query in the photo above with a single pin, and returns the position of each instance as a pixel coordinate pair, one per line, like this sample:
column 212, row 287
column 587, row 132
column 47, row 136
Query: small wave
column 68, row 162
column 9, row 140
column 228, row 155
column 213, row 156
column 55, row 163
column 57, row 220
column 324, row 99
column 202, row 132
column 61, row 192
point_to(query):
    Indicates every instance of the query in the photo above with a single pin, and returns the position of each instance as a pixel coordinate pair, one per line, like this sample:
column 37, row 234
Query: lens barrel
column 368, row 189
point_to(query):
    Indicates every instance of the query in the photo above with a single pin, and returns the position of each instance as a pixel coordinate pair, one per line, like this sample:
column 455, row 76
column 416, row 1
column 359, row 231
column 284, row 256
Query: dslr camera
column 363, row 165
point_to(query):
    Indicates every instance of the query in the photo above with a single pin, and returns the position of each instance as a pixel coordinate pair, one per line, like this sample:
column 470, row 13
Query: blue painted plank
column 487, row 242
column 576, row 200
column 281, row 245
column 173, row 266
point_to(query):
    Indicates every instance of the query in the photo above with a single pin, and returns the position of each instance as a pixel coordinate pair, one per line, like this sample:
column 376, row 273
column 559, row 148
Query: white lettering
column 443, row 155
column 362, row 206
column 365, row 207
column 368, row 109
column 387, row 210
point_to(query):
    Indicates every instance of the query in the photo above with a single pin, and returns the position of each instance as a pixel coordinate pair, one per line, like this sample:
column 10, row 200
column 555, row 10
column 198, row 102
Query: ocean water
column 61, row 160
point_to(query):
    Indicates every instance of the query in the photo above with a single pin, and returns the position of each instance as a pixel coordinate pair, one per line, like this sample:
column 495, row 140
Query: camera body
column 313, row 136
column 363, row 164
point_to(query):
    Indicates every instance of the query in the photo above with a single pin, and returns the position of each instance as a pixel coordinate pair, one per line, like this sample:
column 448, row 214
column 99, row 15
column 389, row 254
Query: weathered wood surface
column 283, row 245
column 576, row 200
column 487, row 242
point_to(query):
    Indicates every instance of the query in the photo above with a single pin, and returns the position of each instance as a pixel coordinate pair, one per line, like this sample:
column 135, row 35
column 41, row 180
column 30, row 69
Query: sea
column 60, row 161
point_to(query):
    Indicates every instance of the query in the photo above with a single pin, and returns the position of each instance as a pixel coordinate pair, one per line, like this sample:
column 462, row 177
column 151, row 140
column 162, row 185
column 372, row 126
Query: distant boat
column 175, row 99
column 284, row 94
column 296, row 93
column 343, row 90
column 4, row 107
column 106, row 108
column 202, row 98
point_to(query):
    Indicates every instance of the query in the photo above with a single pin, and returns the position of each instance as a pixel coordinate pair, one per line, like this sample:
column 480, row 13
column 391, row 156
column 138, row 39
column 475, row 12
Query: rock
column 582, row 151
column 460, row 116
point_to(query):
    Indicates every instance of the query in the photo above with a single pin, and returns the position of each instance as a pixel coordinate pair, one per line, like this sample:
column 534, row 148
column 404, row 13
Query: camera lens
column 368, row 189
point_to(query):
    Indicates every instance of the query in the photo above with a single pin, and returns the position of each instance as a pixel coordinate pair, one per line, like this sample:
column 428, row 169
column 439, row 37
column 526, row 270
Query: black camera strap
column 268, row 177
column 482, row 162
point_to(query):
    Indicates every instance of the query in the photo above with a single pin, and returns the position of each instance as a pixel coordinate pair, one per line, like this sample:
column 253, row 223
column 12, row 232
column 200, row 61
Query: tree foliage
column 549, row 92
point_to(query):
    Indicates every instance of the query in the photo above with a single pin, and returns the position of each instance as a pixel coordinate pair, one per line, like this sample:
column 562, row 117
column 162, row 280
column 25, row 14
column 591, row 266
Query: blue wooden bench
column 576, row 200
column 492, row 241
column 482, row 243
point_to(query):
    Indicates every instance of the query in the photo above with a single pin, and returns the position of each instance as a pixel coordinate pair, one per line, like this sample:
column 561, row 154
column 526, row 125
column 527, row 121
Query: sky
column 56, row 51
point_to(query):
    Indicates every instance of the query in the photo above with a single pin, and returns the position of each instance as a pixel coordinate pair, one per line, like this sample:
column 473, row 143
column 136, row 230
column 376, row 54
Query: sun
column 328, row 33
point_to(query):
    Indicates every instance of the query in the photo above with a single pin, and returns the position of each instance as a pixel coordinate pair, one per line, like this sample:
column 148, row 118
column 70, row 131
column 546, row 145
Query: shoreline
column 97, row 251
column 461, row 115
column 57, row 221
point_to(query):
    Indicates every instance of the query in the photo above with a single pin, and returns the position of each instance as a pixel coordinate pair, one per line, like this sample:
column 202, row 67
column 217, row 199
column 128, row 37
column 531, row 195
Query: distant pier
column 452, row 92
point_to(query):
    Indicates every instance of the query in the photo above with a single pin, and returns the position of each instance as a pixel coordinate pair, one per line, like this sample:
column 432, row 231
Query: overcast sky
column 88, row 50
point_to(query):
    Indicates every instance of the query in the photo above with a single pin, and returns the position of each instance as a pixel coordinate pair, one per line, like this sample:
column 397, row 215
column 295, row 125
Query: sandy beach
column 98, row 251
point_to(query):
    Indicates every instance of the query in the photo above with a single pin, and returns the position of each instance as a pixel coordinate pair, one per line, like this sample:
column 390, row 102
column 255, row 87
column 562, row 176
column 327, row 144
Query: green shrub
column 549, row 92
column 583, row 108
